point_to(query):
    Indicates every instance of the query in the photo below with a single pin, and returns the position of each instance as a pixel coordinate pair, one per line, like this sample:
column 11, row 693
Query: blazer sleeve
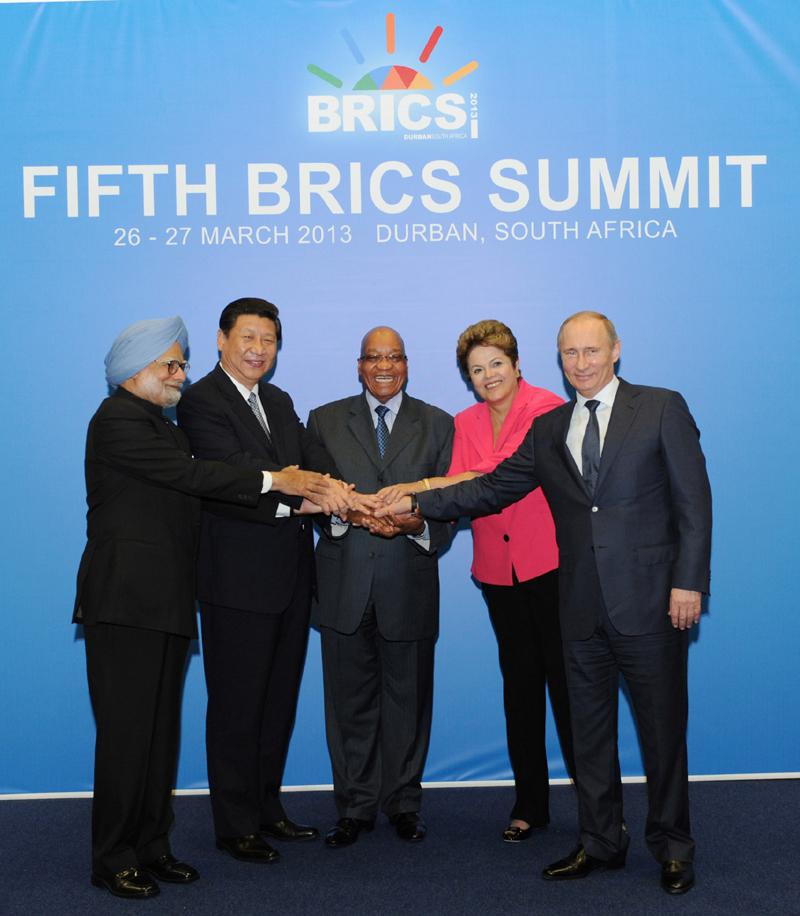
column 690, row 495
column 131, row 444
column 509, row 482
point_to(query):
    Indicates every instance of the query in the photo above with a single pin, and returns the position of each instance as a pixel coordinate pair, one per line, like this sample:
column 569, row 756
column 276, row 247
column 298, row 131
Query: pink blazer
column 522, row 535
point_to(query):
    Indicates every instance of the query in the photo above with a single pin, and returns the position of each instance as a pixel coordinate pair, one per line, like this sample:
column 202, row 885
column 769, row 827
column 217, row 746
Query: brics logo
column 377, row 106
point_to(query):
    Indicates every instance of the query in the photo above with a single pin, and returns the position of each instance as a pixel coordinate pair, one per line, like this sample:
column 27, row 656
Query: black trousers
column 654, row 667
column 135, row 685
column 254, row 665
column 525, row 620
column 378, row 709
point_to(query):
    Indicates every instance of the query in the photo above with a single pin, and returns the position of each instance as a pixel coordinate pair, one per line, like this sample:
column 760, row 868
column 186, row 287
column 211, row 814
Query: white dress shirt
column 580, row 419
column 337, row 526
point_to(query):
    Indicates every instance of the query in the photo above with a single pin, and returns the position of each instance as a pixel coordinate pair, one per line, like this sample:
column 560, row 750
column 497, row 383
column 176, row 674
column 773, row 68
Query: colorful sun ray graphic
column 393, row 76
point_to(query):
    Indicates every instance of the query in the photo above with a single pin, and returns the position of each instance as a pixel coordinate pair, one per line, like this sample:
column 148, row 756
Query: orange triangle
column 420, row 82
column 393, row 80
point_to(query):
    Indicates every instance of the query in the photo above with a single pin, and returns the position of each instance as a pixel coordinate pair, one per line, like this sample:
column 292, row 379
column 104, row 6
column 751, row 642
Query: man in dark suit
column 255, row 580
column 378, row 604
column 136, row 599
column 625, row 478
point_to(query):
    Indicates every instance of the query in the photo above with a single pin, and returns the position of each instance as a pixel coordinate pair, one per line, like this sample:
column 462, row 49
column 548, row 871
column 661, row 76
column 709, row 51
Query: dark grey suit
column 378, row 613
column 646, row 530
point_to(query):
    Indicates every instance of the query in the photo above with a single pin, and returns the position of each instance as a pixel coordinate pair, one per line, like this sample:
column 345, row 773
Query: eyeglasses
column 173, row 365
column 377, row 357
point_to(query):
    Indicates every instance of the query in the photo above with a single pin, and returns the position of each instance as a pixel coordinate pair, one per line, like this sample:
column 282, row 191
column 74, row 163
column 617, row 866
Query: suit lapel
column 480, row 433
column 626, row 406
column 406, row 427
column 276, row 427
column 560, row 430
column 240, row 408
column 361, row 426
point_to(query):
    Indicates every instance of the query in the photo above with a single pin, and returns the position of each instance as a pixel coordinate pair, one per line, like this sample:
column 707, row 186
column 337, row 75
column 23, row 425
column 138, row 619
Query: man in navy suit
column 623, row 472
column 255, row 579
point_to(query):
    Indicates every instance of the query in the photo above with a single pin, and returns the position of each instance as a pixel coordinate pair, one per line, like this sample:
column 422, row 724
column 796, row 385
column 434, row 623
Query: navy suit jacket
column 248, row 556
column 646, row 530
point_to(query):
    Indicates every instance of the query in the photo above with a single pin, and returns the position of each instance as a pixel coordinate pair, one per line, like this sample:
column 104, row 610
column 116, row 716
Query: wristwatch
column 414, row 505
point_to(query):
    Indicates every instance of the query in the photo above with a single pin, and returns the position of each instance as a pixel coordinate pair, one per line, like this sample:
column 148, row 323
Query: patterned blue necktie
column 382, row 429
column 590, row 450
column 253, row 402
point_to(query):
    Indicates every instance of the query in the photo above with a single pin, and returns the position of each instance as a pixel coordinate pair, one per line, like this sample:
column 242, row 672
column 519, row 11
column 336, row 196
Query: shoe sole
column 679, row 890
column 98, row 882
column 252, row 861
column 616, row 866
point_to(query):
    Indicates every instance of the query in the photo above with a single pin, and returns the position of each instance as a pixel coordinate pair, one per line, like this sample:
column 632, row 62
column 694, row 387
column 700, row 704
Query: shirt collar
column 243, row 391
column 393, row 403
column 606, row 395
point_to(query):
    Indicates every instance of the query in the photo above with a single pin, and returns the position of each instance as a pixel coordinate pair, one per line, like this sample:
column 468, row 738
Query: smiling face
column 494, row 376
column 587, row 355
column 155, row 384
column 248, row 350
column 383, row 377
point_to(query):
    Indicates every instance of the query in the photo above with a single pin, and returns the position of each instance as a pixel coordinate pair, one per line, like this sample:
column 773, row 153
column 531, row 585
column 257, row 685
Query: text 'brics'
column 391, row 187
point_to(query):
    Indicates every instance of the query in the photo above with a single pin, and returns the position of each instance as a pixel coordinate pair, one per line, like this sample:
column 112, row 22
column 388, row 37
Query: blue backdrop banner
column 423, row 165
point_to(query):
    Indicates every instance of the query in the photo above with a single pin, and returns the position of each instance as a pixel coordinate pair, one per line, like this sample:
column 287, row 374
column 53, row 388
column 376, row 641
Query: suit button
column 594, row 508
column 380, row 480
column 372, row 555
column 505, row 537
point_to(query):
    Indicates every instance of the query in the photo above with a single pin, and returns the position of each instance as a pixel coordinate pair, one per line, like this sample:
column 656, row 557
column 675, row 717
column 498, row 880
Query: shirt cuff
column 266, row 486
column 424, row 539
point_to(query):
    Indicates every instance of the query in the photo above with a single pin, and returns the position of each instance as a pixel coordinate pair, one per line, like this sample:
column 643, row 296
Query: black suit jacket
column 143, row 523
column 646, row 530
column 249, row 557
column 400, row 576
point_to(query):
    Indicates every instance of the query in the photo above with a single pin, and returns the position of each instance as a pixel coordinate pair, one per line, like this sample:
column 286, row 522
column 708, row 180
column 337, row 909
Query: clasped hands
column 323, row 493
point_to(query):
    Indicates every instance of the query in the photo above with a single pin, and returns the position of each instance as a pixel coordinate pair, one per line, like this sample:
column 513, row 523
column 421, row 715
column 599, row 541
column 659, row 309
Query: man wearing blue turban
column 136, row 597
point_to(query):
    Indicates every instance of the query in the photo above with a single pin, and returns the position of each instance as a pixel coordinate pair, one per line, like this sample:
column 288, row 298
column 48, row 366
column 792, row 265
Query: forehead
column 584, row 332
column 254, row 324
column 483, row 353
column 383, row 339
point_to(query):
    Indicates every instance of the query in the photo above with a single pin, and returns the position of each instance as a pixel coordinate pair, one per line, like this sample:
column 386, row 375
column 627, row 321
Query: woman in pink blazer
column 515, row 561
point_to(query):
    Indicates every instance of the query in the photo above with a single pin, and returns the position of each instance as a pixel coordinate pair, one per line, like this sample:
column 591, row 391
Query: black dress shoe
column 516, row 834
column 169, row 869
column 346, row 831
column 578, row 864
column 129, row 883
column 409, row 826
column 288, row 830
column 677, row 877
column 253, row 848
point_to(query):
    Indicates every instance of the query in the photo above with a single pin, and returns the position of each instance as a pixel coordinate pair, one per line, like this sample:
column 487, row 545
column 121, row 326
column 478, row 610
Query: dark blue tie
column 590, row 450
column 382, row 429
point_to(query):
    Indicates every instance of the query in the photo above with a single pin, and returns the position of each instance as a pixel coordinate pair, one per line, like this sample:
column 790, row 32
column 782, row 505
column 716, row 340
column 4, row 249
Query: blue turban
column 140, row 344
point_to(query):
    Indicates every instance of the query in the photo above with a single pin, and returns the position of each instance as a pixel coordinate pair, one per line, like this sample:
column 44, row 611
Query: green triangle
column 366, row 82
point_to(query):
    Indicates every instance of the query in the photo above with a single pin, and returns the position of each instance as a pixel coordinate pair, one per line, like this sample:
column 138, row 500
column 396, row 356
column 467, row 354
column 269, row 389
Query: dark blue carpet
column 745, row 834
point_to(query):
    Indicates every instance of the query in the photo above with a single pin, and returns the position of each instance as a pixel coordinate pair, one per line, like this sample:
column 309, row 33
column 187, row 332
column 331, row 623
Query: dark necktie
column 382, row 429
column 253, row 402
column 590, row 450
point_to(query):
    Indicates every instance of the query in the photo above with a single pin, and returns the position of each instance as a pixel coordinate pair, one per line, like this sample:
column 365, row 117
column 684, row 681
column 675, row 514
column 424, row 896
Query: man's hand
column 684, row 608
column 401, row 507
column 307, row 508
column 363, row 504
column 391, row 525
column 293, row 482
column 334, row 497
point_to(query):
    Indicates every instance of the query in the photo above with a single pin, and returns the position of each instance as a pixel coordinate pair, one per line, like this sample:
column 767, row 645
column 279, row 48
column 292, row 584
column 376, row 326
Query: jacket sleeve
column 690, row 495
column 131, row 444
column 509, row 482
